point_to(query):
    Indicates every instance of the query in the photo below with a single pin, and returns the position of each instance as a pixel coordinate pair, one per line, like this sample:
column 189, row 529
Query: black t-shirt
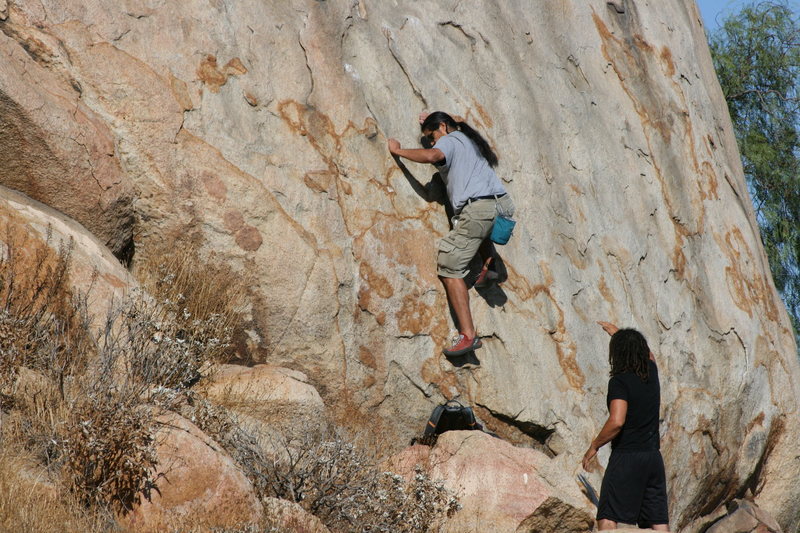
column 640, row 431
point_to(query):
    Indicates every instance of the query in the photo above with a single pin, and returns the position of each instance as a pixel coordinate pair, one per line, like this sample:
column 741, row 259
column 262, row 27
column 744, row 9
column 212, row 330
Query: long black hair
column 433, row 120
column 628, row 352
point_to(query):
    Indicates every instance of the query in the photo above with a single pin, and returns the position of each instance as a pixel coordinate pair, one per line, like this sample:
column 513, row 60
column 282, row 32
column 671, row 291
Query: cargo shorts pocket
column 450, row 258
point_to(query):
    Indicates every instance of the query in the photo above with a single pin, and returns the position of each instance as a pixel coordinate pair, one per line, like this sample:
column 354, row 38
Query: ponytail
column 433, row 120
column 480, row 142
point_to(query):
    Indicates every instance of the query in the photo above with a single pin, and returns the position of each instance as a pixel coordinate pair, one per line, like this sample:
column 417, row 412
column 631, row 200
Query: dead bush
column 83, row 401
column 41, row 328
column 332, row 478
column 202, row 297
column 109, row 449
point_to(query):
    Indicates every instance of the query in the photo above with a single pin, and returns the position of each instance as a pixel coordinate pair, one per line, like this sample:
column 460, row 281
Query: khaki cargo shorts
column 470, row 227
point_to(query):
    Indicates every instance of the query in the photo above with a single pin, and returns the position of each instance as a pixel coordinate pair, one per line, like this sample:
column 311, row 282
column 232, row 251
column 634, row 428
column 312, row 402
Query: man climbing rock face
column 465, row 161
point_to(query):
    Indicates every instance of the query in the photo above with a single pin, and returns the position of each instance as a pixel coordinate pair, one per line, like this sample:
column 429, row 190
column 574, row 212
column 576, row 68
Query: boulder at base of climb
column 500, row 486
column 269, row 395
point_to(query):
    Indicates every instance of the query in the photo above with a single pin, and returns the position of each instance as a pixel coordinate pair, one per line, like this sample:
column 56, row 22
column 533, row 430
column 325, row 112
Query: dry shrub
column 109, row 449
column 41, row 328
column 202, row 296
column 340, row 483
column 152, row 349
column 83, row 402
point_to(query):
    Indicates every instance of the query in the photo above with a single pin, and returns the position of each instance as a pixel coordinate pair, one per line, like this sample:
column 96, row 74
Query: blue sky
column 713, row 10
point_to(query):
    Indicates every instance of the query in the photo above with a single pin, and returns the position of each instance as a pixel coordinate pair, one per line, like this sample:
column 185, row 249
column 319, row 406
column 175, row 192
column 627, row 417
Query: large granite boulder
column 500, row 487
column 196, row 483
column 257, row 130
column 26, row 225
column 56, row 148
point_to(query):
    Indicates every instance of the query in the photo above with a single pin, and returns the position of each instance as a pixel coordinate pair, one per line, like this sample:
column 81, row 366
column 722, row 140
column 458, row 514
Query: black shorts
column 634, row 489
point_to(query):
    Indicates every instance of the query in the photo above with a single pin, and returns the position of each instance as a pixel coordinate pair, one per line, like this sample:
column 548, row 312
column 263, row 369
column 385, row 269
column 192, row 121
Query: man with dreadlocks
column 634, row 489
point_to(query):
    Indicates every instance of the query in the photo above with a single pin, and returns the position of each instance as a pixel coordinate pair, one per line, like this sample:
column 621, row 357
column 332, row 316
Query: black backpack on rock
column 450, row 416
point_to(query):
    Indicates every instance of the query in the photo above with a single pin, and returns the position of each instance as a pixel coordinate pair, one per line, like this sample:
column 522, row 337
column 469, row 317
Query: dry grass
column 40, row 327
column 32, row 502
column 201, row 296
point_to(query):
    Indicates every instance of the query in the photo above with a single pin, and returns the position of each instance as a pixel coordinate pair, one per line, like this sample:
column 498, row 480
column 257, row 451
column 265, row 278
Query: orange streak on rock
column 413, row 315
column 376, row 282
column 210, row 75
column 748, row 291
column 566, row 349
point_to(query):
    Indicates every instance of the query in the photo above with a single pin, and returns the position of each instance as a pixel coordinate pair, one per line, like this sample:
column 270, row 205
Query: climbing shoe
column 462, row 345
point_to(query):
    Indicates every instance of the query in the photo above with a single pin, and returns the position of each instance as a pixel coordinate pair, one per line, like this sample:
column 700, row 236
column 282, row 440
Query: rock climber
column 634, row 489
column 465, row 161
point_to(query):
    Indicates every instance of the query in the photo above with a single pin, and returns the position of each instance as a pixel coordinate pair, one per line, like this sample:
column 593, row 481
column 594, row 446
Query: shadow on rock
column 468, row 360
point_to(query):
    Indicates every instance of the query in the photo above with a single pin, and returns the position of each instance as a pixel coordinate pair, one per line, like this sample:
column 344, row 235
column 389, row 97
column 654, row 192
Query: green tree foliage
column 756, row 54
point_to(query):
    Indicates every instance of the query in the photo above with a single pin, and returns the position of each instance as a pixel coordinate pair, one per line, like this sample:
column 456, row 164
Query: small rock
column 740, row 521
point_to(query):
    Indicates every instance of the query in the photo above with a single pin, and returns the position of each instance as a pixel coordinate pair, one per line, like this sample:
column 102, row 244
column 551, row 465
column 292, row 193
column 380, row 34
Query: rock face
column 268, row 394
column 258, row 130
column 197, row 481
column 500, row 487
column 745, row 517
column 26, row 223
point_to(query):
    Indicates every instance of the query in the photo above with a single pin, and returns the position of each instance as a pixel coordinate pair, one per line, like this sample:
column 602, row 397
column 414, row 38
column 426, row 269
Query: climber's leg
column 458, row 297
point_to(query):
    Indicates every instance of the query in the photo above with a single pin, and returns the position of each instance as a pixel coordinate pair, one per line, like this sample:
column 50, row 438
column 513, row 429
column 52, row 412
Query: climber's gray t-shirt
column 465, row 171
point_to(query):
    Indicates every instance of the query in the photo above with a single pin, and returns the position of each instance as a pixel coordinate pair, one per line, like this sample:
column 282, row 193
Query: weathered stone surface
column 273, row 395
column 501, row 487
column 555, row 515
column 263, row 139
column 56, row 149
column 290, row 517
column 25, row 223
column 745, row 517
column 198, row 481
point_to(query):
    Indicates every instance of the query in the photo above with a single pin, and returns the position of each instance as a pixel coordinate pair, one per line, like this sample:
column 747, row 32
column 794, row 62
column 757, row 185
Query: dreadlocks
column 628, row 352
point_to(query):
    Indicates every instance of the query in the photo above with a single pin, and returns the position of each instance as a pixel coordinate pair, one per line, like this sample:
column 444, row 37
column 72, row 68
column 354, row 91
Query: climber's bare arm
column 618, row 411
column 610, row 328
column 418, row 155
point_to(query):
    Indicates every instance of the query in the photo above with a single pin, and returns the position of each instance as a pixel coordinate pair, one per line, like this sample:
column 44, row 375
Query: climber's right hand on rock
column 608, row 327
column 394, row 145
